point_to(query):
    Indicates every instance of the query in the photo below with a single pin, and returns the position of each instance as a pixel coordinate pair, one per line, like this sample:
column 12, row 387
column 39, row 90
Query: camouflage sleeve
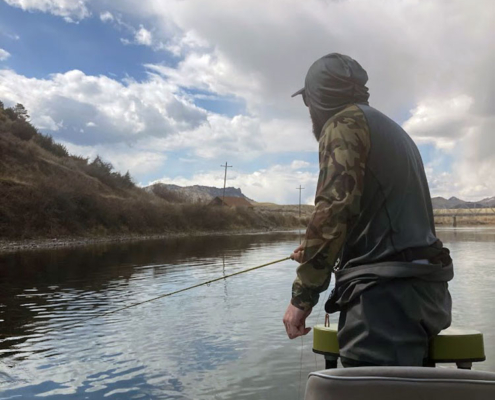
column 344, row 148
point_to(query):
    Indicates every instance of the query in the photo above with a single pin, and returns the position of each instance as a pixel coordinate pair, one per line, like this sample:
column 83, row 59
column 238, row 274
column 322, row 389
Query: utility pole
column 300, row 188
column 225, row 181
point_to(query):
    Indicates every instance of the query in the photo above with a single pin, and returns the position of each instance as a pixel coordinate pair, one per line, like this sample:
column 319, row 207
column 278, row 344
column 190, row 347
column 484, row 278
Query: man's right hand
column 298, row 254
column 295, row 322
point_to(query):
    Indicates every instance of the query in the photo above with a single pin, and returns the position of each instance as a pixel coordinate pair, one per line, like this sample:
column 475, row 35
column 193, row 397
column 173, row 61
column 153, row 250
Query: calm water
column 223, row 341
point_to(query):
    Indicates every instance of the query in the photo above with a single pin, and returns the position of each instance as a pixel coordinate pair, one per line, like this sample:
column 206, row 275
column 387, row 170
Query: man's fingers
column 292, row 331
column 297, row 256
column 296, row 331
column 299, row 248
column 295, row 322
column 302, row 330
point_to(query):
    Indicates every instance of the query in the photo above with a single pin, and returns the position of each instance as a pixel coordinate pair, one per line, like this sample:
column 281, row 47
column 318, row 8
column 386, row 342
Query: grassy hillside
column 46, row 192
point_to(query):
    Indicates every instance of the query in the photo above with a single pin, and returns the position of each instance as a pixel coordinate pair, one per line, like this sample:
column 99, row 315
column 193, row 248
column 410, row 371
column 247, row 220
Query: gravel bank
column 8, row 246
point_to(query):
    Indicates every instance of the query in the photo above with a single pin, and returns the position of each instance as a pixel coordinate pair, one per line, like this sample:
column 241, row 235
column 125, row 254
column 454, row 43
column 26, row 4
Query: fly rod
column 184, row 289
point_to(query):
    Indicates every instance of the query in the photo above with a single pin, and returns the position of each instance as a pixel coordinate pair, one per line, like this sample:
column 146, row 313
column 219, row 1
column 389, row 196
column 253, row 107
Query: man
column 372, row 226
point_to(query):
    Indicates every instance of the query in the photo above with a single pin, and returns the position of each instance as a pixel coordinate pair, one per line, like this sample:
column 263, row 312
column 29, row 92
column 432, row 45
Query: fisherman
column 372, row 226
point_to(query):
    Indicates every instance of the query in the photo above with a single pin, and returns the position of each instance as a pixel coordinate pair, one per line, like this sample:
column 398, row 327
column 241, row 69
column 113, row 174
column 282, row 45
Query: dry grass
column 466, row 220
column 465, row 211
column 465, row 216
column 45, row 193
column 287, row 213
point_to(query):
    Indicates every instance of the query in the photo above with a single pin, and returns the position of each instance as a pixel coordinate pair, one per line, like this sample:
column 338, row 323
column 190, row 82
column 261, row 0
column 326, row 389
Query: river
column 221, row 341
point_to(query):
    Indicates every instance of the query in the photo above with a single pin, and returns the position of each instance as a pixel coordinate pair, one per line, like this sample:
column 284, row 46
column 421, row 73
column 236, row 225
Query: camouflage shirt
column 343, row 150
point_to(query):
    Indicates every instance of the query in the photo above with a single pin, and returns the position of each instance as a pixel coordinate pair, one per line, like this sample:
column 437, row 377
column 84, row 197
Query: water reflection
column 158, row 350
column 466, row 234
column 34, row 282
column 218, row 342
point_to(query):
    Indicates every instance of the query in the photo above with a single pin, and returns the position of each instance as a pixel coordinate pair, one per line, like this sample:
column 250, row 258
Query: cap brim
column 298, row 92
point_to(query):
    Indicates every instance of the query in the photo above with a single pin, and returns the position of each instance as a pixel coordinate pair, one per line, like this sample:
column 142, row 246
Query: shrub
column 23, row 130
column 47, row 143
column 103, row 171
column 11, row 114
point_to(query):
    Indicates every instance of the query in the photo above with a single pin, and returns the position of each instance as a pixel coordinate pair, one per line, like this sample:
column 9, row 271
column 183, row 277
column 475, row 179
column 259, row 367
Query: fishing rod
column 206, row 283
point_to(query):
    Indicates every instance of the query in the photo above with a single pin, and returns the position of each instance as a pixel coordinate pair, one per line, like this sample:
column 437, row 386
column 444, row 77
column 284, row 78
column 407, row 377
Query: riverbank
column 10, row 246
column 465, row 218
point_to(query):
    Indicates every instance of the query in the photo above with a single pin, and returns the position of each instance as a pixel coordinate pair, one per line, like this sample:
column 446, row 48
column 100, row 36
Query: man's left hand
column 295, row 321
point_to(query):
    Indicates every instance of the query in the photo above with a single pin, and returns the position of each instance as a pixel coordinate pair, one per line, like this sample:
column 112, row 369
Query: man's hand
column 295, row 322
column 298, row 254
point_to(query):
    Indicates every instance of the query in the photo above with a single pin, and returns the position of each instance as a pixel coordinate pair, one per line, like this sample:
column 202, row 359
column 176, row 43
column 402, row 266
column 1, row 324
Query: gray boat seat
column 400, row 383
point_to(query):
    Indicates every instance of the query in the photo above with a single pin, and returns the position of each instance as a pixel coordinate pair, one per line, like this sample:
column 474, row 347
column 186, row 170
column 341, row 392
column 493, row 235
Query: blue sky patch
column 47, row 44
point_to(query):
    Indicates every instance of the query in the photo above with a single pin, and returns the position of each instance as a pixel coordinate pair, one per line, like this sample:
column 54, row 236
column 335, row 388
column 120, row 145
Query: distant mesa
column 454, row 202
column 194, row 194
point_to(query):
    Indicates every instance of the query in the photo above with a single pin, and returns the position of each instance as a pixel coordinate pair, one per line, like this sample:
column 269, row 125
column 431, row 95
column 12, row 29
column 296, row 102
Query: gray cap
column 300, row 91
column 334, row 80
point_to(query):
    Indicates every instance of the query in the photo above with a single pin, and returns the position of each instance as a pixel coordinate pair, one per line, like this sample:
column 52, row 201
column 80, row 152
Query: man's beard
column 317, row 126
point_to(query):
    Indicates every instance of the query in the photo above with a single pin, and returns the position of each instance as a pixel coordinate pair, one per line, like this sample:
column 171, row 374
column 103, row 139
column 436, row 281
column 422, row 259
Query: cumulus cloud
column 442, row 121
column 185, row 43
column 107, row 16
column 143, row 36
column 429, row 63
column 474, row 170
column 138, row 36
column 439, row 66
column 211, row 72
column 457, row 127
column 299, row 164
column 123, row 157
column 4, row 54
column 463, row 181
column 243, row 137
column 275, row 184
column 117, row 111
column 70, row 10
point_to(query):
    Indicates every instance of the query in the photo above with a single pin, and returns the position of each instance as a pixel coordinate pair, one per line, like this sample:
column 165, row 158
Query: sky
column 171, row 89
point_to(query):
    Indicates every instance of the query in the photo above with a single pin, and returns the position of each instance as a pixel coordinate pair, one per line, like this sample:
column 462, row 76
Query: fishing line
column 207, row 283
column 318, row 317
column 302, row 341
column 301, row 367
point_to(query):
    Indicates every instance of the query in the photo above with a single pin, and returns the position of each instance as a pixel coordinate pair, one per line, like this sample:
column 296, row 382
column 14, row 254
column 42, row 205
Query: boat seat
column 459, row 346
column 400, row 383
column 453, row 345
